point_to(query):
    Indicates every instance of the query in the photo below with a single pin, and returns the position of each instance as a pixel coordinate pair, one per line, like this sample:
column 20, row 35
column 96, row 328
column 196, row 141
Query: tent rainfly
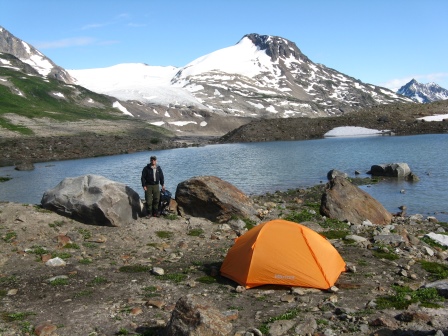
column 280, row 252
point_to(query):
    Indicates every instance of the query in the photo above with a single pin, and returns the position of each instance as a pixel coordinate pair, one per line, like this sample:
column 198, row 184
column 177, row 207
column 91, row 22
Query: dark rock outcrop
column 194, row 316
column 212, row 198
column 344, row 201
column 93, row 199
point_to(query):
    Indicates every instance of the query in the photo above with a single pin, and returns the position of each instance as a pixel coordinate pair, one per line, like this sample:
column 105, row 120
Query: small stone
column 158, row 271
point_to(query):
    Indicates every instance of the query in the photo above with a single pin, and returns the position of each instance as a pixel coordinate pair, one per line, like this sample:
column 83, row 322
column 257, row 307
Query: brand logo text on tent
column 280, row 276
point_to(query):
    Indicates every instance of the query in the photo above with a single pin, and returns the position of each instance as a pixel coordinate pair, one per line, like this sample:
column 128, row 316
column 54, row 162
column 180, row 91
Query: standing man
column 152, row 175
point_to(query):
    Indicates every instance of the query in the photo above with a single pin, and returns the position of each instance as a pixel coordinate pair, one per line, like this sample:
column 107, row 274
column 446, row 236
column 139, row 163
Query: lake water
column 257, row 168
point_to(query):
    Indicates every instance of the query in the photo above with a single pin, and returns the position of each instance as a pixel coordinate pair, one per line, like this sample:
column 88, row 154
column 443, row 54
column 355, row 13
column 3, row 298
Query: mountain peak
column 423, row 93
column 9, row 44
column 276, row 47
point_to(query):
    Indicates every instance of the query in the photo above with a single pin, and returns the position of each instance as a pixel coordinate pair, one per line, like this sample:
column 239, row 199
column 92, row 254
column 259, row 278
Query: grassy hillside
column 33, row 96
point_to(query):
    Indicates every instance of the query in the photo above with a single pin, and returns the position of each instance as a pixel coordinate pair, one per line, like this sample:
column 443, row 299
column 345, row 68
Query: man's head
column 153, row 159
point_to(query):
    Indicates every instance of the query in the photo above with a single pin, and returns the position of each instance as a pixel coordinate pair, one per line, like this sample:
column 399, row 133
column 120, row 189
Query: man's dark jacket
column 148, row 176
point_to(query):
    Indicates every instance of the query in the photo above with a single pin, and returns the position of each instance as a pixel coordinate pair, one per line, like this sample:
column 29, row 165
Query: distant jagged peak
column 423, row 93
column 275, row 46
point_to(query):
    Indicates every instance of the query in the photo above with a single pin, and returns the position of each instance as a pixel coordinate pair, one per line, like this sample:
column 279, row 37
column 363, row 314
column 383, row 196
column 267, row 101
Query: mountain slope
column 423, row 93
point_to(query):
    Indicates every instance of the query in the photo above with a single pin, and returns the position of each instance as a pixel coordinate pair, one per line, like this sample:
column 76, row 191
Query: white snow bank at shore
column 438, row 238
column 437, row 117
column 353, row 131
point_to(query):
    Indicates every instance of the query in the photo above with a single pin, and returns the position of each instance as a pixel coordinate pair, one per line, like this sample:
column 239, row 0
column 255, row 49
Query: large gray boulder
column 344, row 201
column 212, row 198
column 400, row 170
column 94, row 199
column 193, row 316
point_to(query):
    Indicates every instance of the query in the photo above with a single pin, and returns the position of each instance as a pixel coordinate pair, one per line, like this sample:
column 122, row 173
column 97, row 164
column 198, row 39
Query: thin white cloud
column 395, row 84
column 94, row 26
column 137, row 25
column 66, row 43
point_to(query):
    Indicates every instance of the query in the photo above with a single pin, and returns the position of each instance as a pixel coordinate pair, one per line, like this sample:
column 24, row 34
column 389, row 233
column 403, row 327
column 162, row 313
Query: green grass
column 38, row 250
column 404, row 297
column 386, row 255
column 164, row 234
column 4, row 178
column 433, row 243
column 334, row 224
column 38, row 101
column 437, row 271
column 11, row 317
column 302, row 216
column 134, row 269
column 86, row 234
column 335, row 234
column 9, row 237
column 175, row 277
column 59, row 282
column 206, row 279
column 85, row 261
column 195, row 232
column 288, row 315
column 57, row 223
column 98, row 280
column 249, row 223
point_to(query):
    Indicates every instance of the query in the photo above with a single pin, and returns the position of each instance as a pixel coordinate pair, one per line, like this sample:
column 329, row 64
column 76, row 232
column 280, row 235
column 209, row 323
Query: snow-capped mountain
column 423, row 93
column 261, row 76
column 10, row 44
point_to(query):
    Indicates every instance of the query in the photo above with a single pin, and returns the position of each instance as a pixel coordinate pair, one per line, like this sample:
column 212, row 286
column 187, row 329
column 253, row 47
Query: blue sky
column 382, row 42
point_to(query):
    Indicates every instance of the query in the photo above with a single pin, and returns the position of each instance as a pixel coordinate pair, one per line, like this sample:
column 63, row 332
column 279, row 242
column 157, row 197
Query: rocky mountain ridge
column 423, row 93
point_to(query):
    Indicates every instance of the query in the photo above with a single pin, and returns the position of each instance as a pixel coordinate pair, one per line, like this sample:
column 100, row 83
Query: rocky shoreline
column 129, row 280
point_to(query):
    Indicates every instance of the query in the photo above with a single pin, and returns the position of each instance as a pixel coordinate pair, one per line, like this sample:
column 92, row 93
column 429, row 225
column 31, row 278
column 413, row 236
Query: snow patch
column 437, row 117
column 121, row 108
column 353, row 131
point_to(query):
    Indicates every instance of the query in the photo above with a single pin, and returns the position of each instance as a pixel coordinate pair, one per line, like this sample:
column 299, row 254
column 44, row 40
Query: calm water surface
column 256, row 168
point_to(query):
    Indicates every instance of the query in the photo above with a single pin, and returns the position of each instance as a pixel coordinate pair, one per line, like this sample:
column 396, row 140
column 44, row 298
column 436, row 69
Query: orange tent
column 280, row 252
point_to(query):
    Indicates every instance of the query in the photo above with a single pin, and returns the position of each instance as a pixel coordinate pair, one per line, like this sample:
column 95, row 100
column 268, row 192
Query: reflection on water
column 257, row 168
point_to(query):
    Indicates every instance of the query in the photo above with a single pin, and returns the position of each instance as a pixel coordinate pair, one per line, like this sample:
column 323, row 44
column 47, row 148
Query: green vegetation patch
column 175, row 277
column 288, row 315
column 164, row 234
column 11, row 317
column 335, row 234
column 208, row 279
column 334, row 224
column 404, row 297
column 59, row 282
column 10, row 236
column 383, row 252
column 134, row 269
column 437, row 271
column 5, row 178
column 302, row 216
column 195, row 232
column 433, row 243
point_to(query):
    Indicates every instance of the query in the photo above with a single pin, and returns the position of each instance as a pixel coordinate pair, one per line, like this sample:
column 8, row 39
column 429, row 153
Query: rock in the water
column 194, row 316
column 212, row 198
column 93, row 199
column 24, row 166
column 400, row 170
column 333, row 173
column 343, row 200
